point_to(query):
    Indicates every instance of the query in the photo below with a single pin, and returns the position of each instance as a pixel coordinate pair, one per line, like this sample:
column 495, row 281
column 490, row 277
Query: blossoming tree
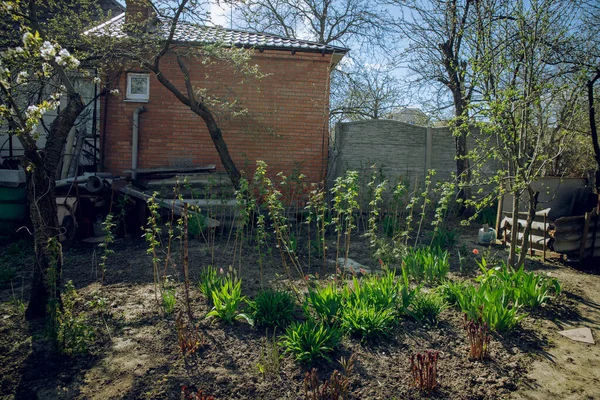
column 37, row 72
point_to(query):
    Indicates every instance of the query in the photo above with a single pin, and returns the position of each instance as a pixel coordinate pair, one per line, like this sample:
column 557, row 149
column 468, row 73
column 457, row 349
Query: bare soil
column 137, row 356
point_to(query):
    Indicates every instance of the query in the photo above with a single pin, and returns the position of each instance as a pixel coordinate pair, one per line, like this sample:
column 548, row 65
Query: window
column 138, row 87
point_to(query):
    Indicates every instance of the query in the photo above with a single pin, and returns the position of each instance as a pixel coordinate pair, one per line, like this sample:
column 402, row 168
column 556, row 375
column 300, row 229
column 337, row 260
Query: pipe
column 134, row 140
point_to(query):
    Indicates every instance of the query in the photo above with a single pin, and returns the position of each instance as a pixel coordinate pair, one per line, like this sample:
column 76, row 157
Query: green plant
column 272, row 308
column 269, row 358
column 108, row 226
column 431, row 264
column 72, row 333
column 334, row 388
column 210, row 280
column 443, row 238
column 227, row 300
column 325, row 301
column 451, row 290
column 367, row 321
column 168, row 300
column 424, row 370
column 428, row 306
column 491, row 304
column 310, row 340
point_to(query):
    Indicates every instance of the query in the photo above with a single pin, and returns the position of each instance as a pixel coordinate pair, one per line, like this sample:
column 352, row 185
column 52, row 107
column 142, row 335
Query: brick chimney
column 139, row 15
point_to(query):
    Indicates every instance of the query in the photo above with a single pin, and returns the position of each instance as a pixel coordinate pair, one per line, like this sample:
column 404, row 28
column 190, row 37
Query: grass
column 311, row 340
column 427, row 263
column 273, row 308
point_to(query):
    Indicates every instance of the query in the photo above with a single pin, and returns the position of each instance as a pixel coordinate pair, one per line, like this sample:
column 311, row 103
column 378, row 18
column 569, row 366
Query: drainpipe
column 134, row 140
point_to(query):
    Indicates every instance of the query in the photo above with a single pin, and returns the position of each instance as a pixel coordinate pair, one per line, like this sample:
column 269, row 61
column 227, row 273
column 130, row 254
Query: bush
column 431, row 264
column 272, row 308
column 326, row 302
column 310, row 340
column 428, row 306
column 210, row 280
column 168, row 300
column 227, row 300
column 367, row 321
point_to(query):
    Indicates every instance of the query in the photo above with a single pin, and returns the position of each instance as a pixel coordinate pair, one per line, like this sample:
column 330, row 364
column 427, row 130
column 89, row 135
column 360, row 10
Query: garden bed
column 136, row 355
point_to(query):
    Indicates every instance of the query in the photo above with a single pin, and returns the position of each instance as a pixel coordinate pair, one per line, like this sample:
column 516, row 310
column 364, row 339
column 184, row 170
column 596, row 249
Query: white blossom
column 27, row 38
column 47, row 50
column 114, row 92
column 22, row 77
column 96, row 80
column 20, row 49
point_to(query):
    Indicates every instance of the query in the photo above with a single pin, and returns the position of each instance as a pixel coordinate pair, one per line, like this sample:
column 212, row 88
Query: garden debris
column 579, row 334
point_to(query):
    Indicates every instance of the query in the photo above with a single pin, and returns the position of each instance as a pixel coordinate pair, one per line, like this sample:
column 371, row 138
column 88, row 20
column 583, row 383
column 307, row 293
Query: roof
column 186, row 32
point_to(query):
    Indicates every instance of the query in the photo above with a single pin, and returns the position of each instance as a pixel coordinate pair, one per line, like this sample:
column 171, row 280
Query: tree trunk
column 514, row 232
column 532, row 205
column 43, row 210
column 463, row 173
column 594, row 131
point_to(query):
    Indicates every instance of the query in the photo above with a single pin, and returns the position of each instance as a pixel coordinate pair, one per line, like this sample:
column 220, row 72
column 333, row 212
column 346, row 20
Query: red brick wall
column 286, row 124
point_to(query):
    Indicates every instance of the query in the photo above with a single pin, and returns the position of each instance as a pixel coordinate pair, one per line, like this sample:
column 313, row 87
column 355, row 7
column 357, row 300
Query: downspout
column 134, row 140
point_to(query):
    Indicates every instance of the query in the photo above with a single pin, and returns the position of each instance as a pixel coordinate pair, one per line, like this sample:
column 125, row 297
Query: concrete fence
column 399, row 150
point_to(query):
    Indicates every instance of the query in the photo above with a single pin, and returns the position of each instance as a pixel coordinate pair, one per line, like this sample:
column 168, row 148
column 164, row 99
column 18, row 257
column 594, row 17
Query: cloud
column 219, row 14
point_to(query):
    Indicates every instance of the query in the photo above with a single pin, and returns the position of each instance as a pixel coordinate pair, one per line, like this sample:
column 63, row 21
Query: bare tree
column 441, row 50
column 367, row 92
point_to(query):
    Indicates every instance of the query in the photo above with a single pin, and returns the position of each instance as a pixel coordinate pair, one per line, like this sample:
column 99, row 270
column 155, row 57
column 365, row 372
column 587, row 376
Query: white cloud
column 219, row 14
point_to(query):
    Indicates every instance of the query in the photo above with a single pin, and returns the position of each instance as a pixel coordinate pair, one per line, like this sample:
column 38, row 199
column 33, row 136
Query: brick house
column 287, row 118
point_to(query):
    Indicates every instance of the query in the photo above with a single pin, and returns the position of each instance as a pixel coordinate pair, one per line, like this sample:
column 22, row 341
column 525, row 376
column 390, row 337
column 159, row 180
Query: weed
column 478, row 335
column 334, row 388
column 268, row 363
column 424, row 370
column 108, row 226
column 227, row 300
column 381, row 292
column 428, row 306
column 310, row 340
column 272, row 308
column 451, row 290
column 189, row 339
column 326, row 302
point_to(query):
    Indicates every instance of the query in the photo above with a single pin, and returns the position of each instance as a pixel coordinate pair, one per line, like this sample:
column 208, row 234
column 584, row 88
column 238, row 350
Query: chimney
column 139, row 15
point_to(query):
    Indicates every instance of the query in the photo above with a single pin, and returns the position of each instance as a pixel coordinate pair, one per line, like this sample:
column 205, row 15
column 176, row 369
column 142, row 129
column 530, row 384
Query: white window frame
column 137, row 97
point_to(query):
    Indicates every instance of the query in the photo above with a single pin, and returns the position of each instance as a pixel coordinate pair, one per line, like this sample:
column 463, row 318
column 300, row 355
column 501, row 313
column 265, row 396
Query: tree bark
column 43, row 210
column 594, row 131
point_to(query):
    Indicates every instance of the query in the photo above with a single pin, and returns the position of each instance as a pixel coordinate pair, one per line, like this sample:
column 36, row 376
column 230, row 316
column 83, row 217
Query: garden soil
column 136, row 356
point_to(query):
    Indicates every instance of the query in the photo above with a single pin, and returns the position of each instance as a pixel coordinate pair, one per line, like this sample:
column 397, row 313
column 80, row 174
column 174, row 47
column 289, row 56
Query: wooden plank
column 586, row 229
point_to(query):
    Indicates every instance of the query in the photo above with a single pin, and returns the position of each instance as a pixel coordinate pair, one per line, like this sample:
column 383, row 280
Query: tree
column 529, row 103
column 37, row 71
column 367, row 92
column 440, row 51
column 364, row 26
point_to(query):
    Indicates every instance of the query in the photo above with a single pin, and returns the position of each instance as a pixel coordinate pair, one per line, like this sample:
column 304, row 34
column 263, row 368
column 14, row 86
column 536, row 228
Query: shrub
column 189, row 338
column 431, row 264
column 210, row 280
column 311, row 340
column 326, row 302
column 428, row 306
column 367, row 321
column 272, row 308
column 227, row 300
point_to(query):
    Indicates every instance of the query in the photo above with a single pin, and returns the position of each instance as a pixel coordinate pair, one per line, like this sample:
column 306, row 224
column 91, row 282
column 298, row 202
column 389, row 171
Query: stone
column 579, row 334
column 353, row 267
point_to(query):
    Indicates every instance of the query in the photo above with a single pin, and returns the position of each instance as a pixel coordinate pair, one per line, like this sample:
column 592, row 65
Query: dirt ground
column 136, row 356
